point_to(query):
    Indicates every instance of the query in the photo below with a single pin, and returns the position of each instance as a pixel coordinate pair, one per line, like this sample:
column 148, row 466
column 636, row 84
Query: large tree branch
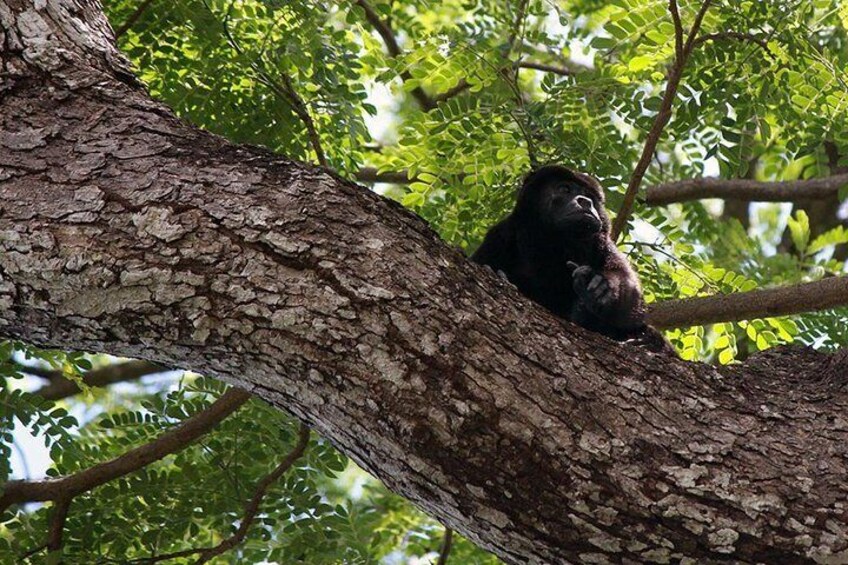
column 745, row 189
column 65, row 488
column 127, row 231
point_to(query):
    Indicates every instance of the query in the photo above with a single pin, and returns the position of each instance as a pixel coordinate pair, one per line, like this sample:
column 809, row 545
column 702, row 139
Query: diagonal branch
column 61, row 387
column 674, row 75
column 424, row 100
column 447, row 544
column 133, row 18
column 284, row 89
column 745, row 189
column 251, row 509
column 16, row 492
column 736, row 36
column 57, row 523
column 782, row 301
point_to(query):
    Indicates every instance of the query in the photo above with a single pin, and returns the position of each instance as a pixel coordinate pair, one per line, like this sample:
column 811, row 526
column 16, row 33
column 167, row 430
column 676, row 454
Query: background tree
column 442, row 106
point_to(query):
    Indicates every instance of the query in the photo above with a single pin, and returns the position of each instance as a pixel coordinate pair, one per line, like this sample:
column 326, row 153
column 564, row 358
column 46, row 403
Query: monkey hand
column 592, row 288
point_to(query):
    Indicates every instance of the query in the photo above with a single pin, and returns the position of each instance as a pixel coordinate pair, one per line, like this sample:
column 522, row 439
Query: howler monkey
column 556, row 248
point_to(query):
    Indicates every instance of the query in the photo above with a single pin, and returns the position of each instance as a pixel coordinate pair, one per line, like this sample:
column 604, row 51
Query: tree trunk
column 127, row 231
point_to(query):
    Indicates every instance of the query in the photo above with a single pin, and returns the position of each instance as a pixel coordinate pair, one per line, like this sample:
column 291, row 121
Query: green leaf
column 799, row 228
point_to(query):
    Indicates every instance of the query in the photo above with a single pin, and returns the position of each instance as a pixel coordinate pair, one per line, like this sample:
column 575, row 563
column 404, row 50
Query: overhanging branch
column 782, row 301
column 60, row 488
column 745, row 189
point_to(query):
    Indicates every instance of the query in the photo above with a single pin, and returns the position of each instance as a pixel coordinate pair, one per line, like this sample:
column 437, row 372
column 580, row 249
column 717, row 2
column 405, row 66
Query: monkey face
column 567, row 206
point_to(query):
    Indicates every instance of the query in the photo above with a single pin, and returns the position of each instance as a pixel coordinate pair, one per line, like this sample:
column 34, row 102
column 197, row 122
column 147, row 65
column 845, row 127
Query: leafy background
column 577, row 82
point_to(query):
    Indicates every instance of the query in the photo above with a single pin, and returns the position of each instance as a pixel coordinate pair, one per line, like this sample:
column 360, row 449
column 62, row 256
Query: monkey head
column 560, row 200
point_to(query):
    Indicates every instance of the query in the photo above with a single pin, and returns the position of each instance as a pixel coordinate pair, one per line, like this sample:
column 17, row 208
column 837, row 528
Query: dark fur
column 556, row 248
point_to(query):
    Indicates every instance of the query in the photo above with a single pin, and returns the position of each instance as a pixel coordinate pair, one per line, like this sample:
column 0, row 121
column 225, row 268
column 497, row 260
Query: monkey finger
column 597, row 282
column 604, row 298
column 582, row 272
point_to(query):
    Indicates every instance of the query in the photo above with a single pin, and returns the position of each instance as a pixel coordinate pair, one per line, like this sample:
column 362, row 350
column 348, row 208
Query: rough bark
column 125, row 230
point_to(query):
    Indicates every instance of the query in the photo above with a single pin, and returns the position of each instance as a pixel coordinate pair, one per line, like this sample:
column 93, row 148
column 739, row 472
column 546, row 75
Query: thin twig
column 447, row 543
column 737, row 36
column 57, row 523
column 32, row 552
column 285, row 90
column 463, row 84
column 382, row 28
column 61, row 387
column 678, row 30
column 518, row 23
column 251, row 509
column 562, row 71
column 133, row 18
column 16, row 492
column 663, row 117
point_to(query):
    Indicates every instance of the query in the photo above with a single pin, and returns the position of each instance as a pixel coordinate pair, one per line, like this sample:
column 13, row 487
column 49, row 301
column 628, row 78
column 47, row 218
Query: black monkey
column 556, row 248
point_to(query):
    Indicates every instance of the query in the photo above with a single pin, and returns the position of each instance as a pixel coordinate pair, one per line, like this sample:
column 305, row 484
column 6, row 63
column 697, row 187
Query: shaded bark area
column 125, row 230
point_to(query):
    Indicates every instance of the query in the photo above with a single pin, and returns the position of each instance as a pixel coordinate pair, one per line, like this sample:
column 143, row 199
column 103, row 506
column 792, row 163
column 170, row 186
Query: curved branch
column 782, row 301
column 464, row 85
column 16, row 492
column 745, row 189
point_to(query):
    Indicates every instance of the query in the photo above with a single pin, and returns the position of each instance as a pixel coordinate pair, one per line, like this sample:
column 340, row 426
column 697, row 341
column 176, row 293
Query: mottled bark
column 125, row 230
